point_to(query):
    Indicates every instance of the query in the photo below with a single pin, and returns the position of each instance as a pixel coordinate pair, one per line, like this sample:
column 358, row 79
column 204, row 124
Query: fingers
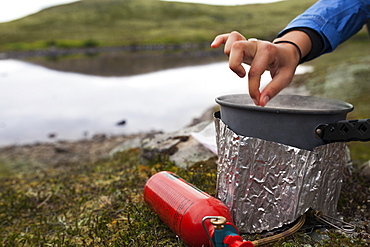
column 228, row 40
column 282, row 71
column 234, row 37
column 219, row 40
column 254, row 78
column 238, row 52
column 249, row 52
column 281, row 80
column 261, row 56
column 260, row 63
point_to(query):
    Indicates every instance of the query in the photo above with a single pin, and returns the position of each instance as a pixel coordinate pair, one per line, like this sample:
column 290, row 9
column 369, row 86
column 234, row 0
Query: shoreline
column 54, row 51
column 60, row 152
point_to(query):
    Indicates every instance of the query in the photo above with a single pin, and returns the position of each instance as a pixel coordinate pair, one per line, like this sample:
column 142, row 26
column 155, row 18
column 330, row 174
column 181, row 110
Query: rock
column 99, row 137
column 320, row 235
column 60, row 153
column 179, row 147
column 61, row 149
column 52, row 135
column 120, row 123
column 131, row 143
column 190, row 152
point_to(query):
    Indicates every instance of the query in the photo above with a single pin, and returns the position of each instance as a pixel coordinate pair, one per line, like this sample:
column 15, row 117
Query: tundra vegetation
column 100, row 203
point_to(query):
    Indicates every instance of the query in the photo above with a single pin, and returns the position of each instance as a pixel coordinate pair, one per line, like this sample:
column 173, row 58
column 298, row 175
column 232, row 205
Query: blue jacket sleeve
column 334, row 20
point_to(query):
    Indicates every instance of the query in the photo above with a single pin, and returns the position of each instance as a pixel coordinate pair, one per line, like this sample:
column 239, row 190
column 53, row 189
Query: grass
column 127, row 22
column 96, row 204
column 101, row 204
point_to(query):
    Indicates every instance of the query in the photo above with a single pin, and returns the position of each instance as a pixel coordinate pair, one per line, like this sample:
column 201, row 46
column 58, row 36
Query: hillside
column 126, row 22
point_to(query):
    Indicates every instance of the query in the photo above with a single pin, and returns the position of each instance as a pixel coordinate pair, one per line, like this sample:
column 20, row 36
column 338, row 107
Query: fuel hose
column 284, row 234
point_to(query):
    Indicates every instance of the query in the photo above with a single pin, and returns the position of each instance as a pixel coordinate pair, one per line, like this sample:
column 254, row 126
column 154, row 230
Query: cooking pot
column 300, row 121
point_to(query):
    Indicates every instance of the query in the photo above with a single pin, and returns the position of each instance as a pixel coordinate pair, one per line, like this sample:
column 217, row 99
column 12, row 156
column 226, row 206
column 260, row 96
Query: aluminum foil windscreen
column 267, row 185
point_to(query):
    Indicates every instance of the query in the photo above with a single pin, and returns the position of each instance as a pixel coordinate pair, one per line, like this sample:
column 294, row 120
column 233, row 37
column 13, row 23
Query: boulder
column 179, row 147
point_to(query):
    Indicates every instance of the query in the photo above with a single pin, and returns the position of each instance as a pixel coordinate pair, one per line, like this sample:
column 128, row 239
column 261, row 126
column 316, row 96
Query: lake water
column 36, row 101
column 39, row 99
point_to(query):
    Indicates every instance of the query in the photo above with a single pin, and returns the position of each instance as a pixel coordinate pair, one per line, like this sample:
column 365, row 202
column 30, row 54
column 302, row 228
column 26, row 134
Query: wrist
column 300, row 39
column 298, row 51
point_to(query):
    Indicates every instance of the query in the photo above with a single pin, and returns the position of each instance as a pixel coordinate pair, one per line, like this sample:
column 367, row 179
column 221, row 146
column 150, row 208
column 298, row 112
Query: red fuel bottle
column 182, row 207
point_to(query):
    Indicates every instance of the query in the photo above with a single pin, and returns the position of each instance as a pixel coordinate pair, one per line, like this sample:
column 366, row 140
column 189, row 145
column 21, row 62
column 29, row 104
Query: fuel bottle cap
column 218, row 222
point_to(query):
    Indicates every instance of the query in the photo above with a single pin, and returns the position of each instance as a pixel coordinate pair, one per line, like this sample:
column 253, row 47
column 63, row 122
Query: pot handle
column 344, row 131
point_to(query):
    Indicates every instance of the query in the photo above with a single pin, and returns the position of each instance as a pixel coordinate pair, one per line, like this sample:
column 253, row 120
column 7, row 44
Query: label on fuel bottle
column 169, row 196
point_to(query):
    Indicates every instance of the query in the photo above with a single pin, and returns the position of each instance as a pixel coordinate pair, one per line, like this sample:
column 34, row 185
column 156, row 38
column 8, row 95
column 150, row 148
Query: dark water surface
column 128, row 61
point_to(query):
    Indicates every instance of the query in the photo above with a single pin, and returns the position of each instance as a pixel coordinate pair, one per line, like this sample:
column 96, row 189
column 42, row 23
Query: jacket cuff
column 316, row 41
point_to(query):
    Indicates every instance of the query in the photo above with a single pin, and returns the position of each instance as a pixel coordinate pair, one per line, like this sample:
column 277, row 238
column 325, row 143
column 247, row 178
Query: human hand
column 280, row 59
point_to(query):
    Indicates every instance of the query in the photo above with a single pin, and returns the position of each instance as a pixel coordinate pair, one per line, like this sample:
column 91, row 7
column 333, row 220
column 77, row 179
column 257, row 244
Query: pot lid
column 290, row 104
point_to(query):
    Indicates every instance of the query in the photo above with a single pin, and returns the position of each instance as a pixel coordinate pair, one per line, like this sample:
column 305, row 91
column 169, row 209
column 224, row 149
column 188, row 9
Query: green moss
column 96, row 204
column 101, row 204
column 339, row 240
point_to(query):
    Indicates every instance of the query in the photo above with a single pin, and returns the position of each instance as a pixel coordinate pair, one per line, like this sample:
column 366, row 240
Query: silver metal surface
column 267, row 184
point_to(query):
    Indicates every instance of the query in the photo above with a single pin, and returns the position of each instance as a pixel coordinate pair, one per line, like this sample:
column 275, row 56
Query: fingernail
column 241, row 74
column 255, row 101
column 266, row 99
